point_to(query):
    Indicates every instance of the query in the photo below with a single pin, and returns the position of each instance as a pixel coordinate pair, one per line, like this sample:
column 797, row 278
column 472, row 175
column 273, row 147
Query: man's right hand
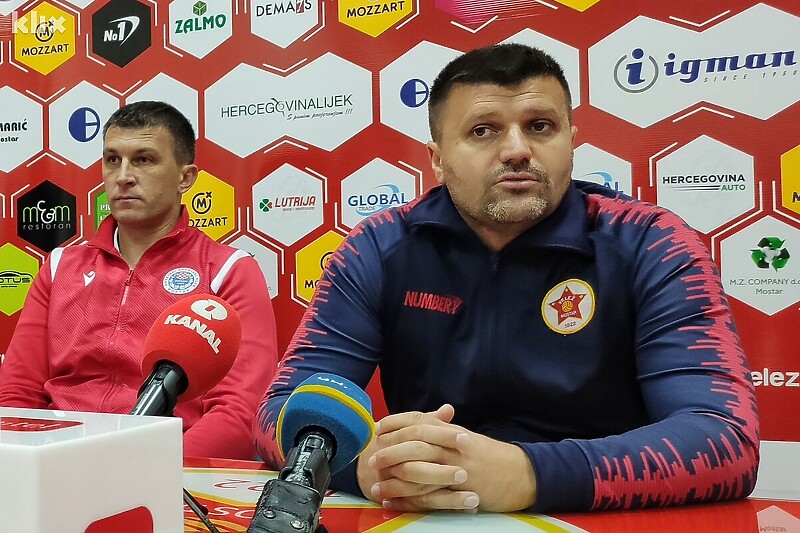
column 422, row 480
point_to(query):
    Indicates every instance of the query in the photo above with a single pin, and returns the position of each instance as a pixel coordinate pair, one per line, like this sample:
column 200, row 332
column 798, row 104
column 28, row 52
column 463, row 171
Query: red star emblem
column 568, row 305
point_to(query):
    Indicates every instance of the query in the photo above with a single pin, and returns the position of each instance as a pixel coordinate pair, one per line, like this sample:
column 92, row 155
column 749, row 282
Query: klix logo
column 37, row 24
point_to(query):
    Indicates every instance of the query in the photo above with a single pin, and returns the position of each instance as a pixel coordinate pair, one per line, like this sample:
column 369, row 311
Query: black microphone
column 325, row 424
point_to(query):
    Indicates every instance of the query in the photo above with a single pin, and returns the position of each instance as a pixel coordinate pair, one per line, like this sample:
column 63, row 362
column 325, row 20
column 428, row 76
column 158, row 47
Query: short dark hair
column 500, row 64
column 150, row 114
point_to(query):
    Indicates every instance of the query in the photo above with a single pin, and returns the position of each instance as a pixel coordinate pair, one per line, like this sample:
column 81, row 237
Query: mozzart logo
column 644, row 81
column 375, row 8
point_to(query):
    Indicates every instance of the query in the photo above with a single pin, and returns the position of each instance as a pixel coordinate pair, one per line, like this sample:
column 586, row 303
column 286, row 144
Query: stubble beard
column 515, row 208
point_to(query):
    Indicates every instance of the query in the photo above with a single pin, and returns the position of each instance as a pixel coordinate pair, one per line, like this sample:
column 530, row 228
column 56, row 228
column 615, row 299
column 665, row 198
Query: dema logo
column 84, row 124
column 414, row 93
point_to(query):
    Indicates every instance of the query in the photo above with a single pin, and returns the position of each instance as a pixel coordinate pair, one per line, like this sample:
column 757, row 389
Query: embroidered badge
column 181, row 280
column 568, row 306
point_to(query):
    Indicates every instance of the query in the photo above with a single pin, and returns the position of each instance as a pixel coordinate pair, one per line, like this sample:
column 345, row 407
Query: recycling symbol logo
column 770, row 252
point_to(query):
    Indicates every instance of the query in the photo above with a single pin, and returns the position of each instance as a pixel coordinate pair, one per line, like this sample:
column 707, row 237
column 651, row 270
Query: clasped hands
column 421, row 461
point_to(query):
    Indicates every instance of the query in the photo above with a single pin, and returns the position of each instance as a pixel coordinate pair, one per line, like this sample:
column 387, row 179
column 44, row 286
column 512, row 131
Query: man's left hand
column 418, row 452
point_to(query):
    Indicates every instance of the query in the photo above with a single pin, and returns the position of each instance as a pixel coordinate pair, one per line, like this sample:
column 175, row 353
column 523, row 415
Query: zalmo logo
column 36, row 24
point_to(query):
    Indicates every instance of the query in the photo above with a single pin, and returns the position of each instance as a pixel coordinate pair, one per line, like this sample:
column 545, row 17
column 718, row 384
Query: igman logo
column 746, row 63
column 640, row 75
column 636, row 74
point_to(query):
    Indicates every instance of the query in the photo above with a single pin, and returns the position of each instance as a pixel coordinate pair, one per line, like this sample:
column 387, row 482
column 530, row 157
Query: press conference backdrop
column 311, row 115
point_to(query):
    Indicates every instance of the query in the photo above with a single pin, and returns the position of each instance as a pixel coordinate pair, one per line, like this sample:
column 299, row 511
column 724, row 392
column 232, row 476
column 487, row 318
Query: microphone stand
column 200, row 510
column 291, row 503
column 157, row 397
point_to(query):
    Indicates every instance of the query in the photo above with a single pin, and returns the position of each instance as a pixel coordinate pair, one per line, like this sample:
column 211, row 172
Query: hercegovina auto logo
column 770, row 253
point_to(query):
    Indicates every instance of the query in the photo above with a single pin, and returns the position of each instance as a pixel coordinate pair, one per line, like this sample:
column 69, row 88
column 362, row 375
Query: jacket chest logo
column 181, row 280
column 568, row 306
column 449, row 305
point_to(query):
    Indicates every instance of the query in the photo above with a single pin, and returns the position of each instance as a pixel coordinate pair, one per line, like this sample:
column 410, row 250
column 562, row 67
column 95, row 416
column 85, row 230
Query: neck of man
column 497, row 238
column 135, row 240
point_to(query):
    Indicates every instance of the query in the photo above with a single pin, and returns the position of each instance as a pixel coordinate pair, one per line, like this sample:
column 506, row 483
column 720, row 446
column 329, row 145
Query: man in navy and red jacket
column 544, row 344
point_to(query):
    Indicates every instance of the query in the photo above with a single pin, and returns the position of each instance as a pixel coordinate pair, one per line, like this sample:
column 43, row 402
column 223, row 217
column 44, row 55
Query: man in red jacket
column 78, row 343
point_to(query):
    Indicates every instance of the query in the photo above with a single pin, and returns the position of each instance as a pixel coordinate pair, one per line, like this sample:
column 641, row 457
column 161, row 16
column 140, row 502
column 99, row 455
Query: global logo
column 770, row 253
column 84, row 124
column 414, row 93
column 634, row 73
column 383, row 197
column 605, row 178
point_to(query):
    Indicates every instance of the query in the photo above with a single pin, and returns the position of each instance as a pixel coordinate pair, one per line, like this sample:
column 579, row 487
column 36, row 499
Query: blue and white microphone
column 323, row 426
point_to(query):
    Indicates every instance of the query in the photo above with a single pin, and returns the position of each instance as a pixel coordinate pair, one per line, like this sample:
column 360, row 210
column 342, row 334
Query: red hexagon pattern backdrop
column 311, row 114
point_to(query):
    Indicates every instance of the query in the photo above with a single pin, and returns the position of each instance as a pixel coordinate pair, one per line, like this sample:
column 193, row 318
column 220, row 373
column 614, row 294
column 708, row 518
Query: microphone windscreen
column 201, row 334
column 334, row 404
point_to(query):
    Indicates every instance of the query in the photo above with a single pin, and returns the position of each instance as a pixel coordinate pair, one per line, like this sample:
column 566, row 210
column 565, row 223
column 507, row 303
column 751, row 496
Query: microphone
column 324, row 425
column 188, row 350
